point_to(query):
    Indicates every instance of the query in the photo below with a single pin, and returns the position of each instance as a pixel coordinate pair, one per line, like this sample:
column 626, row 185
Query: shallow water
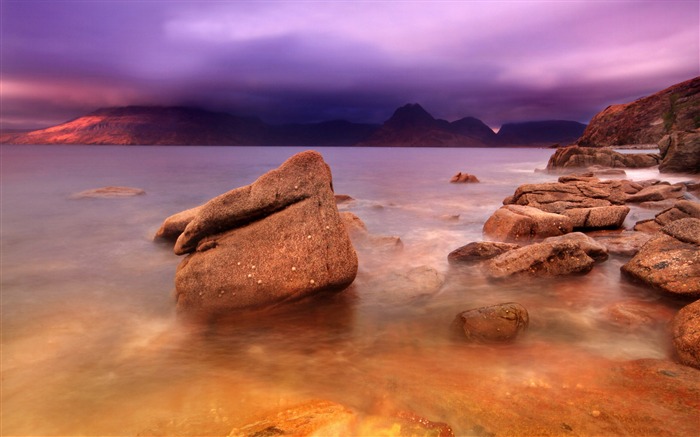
column 91, row 344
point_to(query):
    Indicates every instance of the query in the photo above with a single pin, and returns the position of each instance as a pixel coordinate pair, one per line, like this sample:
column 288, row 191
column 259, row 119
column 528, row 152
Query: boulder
column 599, row 217
column 109, row 193
column 574, row 158
column 174, row 225
column 525, row 223
column 496, row 323
column 478, row 251
column 680, row 152
column 658, row 192
column 685, row 331
column 670, row 261
column 681, row 209
column 544, row 259
column 278, row 239
column 464, row 178
column 590, row 246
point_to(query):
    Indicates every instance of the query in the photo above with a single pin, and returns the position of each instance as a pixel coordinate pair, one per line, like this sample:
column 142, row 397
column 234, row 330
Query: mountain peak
column 411, row 114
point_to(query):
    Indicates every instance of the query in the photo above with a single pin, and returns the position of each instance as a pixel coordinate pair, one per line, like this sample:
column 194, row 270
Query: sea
column 92, row 343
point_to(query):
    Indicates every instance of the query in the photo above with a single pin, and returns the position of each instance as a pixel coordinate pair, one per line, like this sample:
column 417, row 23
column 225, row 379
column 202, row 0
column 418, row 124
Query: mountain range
column 409, row 126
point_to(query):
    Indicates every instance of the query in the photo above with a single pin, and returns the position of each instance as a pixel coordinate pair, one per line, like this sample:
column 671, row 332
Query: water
column 91, row 344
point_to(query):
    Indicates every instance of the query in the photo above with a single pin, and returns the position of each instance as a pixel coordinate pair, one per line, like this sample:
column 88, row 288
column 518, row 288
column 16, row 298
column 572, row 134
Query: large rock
column 671, row 260
column 680, row 152
column 685, row 330
column 546, row 259
column 525, row 223
column 496, row 323
column 574, row 158
column 278, row 239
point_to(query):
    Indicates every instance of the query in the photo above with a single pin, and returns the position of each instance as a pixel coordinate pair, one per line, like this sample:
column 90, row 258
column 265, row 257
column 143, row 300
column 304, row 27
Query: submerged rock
column 670, row 261
column 479, row 251
column 109, row 192
column 685, row 331
column 464, row 178
column 278, row 239
column 524, row 223
column 496, row 323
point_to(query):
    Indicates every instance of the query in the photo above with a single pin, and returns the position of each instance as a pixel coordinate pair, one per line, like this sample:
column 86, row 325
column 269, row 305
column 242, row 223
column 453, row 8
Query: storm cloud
column 500, row 61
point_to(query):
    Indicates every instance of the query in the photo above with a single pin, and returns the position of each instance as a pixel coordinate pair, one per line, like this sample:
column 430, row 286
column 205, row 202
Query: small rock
column 464, row 178
column 479, row 251
column 496, row 323
column 173, row 226
column 109, row 193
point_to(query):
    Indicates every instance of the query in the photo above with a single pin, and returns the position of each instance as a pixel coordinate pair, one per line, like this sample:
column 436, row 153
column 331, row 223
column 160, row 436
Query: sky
column 310, row 61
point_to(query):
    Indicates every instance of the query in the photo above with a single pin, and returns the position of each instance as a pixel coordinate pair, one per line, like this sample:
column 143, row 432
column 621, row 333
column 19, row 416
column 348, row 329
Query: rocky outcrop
column 680, row 152
column 670, row 261
column 525, row 223
column 681, row 209
column 657, row 192
column 646, row 120
column 278, row 239
column 544, row 259
column 685, row 331
column 479, row 251
column 108, row 193
column 496, row 323
column 464, row 178
column 174, row 225
column 575, row 158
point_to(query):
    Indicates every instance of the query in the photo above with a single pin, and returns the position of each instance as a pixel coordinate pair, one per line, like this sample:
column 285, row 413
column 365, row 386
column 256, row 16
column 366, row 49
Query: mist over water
column 91, row 344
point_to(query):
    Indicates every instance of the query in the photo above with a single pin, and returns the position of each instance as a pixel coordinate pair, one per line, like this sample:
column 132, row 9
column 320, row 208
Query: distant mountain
column 413, row 126
column 543, row 133
column 155, row 125
column 646, row 120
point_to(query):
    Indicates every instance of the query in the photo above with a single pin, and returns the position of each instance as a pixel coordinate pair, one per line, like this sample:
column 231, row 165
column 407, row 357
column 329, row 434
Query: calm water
column 91, row 344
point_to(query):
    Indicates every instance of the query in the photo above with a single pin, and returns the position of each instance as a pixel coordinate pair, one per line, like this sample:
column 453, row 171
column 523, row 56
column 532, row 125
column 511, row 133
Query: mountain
column 155, row 125
column 646, row 120
column 543, row 133
column 413, row 126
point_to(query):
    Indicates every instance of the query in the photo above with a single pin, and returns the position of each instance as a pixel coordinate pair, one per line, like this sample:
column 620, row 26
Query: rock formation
column 575, row 158
column 685, row 331
column 646, row 120
column 278, row 239
column 464, row 178
column 496, row 323
column 670, row 261
column 524, row 223
column 680, row 152
column 681, row 209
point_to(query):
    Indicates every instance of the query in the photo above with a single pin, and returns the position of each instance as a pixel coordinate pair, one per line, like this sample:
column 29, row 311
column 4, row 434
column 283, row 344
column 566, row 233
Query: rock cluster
column 680, row 209
column 276, row 240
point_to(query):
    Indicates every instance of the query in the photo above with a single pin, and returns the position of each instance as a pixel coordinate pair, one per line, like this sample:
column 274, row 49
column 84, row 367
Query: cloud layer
column 307, row 61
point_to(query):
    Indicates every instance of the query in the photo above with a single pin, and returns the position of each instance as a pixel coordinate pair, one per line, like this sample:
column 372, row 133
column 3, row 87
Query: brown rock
column 363, row 239
column 464, row 178
column 277, row 240
column 591, row 247
column 524, row 223
column 685, row 331
column 625, row 243
column 601, row 217
column 540, row 260
column 174, row 225
column 681, row 209
column 574, row 158
column 478, row 251
column 668, row 263
column 681, row 152
column 109, row 193
column 496, row 323
column 657, row 192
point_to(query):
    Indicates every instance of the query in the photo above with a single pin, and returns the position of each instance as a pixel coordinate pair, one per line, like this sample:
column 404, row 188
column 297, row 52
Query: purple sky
column 306, row 61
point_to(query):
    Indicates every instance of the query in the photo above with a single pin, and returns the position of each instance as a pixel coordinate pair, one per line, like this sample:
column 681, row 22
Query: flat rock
column 479, row 251
column 685, row 331
column 656, row 193
column 109, row 193
column 544, row 259
column 669, row 263
column 601, row 217
column 496, row 323
column 277, row 240
column 174, row 225
column 525, row 223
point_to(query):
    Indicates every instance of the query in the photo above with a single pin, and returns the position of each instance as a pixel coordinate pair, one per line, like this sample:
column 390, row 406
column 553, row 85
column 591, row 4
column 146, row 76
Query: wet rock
column 670, row 261
column 343, row 198
column 590, row 246
column 278, row 239
column 109, row 193
column 496, row 323
column 479, row 251
column 685, row 331
column 524, row 223
column 574, row 158
column 464, row 178
column 601, row 217
column 544, row 259
column 633, row 314
column 625, row 243
column 681, row 209
column 681, row 152
column 363, row 239
column 316, row 418
column 174, row 225
column 657, row 193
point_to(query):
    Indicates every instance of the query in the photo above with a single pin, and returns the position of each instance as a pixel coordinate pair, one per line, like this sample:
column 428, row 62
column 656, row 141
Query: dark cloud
column 301, row 61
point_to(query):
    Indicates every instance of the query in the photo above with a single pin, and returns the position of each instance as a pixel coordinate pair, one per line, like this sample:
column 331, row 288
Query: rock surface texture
column 574, row 158
column 496, row 323
column 670, row 261
column 681, row 209
column 278, row 239
column 525, row 223
column 685, row 330
column 478, row 251
column 680, row 152
column 109, row 192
